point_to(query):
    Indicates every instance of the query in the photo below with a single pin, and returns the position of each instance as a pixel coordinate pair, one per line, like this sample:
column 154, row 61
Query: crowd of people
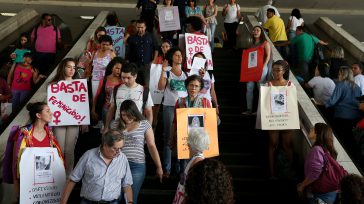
column 123, row 111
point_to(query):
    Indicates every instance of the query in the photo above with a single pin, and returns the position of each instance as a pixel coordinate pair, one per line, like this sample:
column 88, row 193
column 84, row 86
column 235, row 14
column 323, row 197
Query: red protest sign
column 252, row 64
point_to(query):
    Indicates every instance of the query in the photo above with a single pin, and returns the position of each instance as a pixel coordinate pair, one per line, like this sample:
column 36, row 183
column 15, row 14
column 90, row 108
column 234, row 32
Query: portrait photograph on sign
column 195, row 122
column 43, row 171
column 196, row 118
column 278, row 102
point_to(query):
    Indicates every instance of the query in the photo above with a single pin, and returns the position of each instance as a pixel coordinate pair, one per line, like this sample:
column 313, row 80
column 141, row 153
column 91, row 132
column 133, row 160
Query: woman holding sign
column 258, row 39
column 36, row 134
column 194, row 85
column 66, row 135
column 172, row 80
column 280, row 71
column 137, row 132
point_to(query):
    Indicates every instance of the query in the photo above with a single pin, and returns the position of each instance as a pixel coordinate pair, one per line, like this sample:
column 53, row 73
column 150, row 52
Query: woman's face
column 69, row 69
column 312, row 134
column 100, row 33
column 278, row 72
column 168, row 2
column 177, row 57
column 165, row 47
column 116, row 70
column 340, row 76
column 193, row 88
column 45, row 115
column 257, row 32
column 191, row 3
column 23, row 40
column 125, row 117
column 105, row 46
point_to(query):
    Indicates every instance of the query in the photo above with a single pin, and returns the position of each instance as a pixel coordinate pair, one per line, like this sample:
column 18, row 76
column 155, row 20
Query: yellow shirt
column 275, row 26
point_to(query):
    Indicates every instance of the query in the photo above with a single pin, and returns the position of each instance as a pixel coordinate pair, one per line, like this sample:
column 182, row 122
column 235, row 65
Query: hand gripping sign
column 252, row 64
column 68, row 101
column 188, row 118
column 42, row 176
column 278, row 107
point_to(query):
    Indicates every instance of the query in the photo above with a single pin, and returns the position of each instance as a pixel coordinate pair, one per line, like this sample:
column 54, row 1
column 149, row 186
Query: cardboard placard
column 279, row 108
column 169, row 19
column 155, row 74
column 68, row 101
column 188, row 118
column 252, row 64
column 42, row 175
column 198, row 43
column 117, row 35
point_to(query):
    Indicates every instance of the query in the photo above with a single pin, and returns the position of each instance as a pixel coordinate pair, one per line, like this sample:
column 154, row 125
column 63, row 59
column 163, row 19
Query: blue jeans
column 138, row 174
column 168, row 116
column 18, row 98
column 213, row 29
column 329, row 197
column 250, row 88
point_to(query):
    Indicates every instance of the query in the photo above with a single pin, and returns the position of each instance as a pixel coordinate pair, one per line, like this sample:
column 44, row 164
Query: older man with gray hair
column 104, row 172
column 261, row 14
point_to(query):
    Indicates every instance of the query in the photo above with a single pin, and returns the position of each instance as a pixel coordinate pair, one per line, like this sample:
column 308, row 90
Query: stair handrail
column 22, row 117
column 308, row 113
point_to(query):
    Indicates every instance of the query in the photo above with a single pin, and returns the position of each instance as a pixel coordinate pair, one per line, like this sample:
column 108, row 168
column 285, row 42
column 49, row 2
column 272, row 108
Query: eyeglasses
column 278, row 70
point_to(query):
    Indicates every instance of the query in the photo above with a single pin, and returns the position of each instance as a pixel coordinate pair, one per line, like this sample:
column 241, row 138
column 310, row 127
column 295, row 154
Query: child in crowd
column 20, row 79
column 22, row 47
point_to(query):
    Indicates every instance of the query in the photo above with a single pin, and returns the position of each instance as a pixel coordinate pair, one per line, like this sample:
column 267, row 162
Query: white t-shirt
column 322, row 88
column 261, row 14
column 136, row 94
column 178, row 89
column 295, row 22
column 207, row 83
column 359, row 80
column 232, row 14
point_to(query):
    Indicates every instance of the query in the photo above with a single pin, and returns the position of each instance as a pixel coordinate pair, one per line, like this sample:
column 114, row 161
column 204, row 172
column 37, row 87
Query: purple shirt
column 314, row 163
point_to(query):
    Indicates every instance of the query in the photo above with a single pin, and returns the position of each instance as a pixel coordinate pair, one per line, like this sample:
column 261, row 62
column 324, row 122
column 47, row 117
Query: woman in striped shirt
column 137, row 132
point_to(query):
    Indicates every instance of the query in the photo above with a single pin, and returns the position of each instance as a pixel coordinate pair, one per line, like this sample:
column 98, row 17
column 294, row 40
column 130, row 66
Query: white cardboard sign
column 155, row 74
column 42, row 176
column 198, row 43
column 68, row 101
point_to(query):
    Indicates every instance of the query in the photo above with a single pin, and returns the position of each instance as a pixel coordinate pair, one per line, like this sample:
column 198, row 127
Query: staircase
column 243, row 149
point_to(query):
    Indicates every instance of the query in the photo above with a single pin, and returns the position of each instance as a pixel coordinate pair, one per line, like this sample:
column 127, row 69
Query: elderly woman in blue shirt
column 345, row 104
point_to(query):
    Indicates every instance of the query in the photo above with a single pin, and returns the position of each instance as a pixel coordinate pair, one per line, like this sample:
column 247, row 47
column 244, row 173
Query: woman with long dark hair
column 315, row 161
column 258, row 40
column 137, row 132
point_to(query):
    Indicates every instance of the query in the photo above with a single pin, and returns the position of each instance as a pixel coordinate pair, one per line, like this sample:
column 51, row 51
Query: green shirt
column 305, row 45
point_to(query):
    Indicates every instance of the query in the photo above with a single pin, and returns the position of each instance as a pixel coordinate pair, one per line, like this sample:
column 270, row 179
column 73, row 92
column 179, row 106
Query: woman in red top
column 36, row 134
column 21, row 78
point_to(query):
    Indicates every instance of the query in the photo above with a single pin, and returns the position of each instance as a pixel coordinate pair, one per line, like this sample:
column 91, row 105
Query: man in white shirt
column 358, row 76
column 130, row 90
column 261, row 14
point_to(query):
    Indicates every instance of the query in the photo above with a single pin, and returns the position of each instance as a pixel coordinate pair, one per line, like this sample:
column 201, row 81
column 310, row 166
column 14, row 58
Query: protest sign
column 42, row 176
column 117, row 35
column 190, row 118
column 252, row 64
column 155, row 74
column 68, row 101
column 168, row 19
column 198, row 43
column 279, row 108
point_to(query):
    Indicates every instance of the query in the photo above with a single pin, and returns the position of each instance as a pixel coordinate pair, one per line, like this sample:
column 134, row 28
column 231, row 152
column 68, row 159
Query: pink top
column 46, row 39
column 109, row 88
column 99, row 66
column 22, row 78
